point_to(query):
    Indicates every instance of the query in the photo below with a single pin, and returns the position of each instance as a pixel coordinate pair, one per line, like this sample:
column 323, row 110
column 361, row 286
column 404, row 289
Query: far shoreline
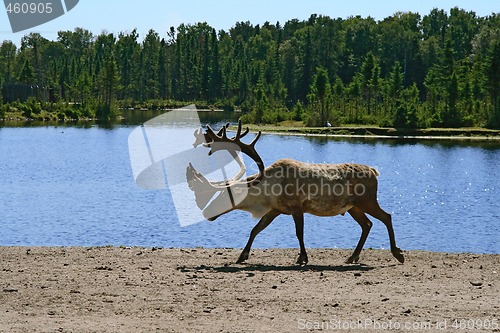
column 373, row 132
column 290, row 128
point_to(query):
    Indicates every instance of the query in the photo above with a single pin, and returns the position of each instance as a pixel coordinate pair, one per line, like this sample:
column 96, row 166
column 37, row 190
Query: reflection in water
column 73, row 186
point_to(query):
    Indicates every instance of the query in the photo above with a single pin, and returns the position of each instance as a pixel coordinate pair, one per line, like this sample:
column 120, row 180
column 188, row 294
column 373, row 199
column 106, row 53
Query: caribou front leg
column 366, row 225
column 298, row 218
column 263, row 223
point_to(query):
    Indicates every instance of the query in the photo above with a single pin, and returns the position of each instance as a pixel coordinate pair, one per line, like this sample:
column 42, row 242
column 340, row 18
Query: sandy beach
column 117, row 289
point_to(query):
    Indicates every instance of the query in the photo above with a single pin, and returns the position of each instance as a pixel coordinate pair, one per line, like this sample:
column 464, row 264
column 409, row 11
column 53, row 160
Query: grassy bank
column 296, row 128
column 64, row 112
column 33, row 110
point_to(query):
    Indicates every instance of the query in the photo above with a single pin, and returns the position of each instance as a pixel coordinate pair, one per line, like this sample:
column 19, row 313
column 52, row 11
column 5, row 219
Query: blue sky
column 124, row 15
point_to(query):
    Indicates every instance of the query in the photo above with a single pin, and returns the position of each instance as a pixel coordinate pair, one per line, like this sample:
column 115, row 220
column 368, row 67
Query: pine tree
column 215, row 76
column 493, row 79
column 27, row 74
column 320, row 98
column 107, row 80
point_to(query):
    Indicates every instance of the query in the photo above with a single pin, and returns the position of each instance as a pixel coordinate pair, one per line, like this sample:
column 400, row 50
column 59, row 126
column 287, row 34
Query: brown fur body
column 293, row 188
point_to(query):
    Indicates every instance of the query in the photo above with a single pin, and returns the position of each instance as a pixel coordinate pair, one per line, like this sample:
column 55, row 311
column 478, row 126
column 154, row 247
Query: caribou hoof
column 352, row 259
column 243, row 257
column 398, row 255
column 302, row 260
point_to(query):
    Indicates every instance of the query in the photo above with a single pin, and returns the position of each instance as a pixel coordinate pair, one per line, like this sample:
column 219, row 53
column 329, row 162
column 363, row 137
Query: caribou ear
column 203, row 190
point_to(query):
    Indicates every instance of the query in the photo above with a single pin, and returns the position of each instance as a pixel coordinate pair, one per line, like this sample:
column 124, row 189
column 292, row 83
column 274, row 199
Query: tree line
column 407, row 70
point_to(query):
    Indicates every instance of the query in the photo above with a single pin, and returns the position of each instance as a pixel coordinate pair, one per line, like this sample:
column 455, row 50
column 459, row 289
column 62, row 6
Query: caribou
column 288, row 187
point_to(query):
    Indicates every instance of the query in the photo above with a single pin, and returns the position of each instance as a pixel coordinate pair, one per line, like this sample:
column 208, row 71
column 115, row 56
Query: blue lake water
column 73, row 186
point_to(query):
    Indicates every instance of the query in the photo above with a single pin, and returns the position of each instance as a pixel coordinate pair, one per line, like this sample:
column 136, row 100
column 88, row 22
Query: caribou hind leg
column 261, row 225
column 378, row 213
column 373, row 208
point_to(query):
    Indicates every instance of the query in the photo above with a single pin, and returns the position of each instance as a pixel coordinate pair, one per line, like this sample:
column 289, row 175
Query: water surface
column 70, row 186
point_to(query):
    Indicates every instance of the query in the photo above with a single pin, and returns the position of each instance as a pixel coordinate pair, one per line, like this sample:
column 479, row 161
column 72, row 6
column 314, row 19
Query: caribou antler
column 203, row 189
column 220, row 141
column 221, row 136
column 206, row 138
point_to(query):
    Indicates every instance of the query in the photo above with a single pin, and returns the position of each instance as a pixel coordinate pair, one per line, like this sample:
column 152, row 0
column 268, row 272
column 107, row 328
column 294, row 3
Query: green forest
column 441, row 69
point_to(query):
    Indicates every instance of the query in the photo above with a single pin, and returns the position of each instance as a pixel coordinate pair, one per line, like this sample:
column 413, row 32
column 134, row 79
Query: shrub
column 298, row 111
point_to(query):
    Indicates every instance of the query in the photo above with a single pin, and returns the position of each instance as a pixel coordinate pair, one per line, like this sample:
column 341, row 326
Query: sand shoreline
column 115, row 289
